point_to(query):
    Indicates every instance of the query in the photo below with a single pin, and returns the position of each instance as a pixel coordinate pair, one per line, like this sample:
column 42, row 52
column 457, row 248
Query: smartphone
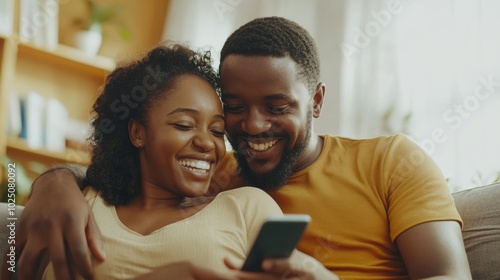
column 277, row 238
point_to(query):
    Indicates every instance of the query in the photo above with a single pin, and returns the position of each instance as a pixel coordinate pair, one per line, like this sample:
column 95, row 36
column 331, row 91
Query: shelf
column 17, row 148
column 69, row 57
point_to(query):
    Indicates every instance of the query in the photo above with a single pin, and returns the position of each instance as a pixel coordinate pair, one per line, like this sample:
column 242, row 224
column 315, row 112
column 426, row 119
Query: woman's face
column 184, row 138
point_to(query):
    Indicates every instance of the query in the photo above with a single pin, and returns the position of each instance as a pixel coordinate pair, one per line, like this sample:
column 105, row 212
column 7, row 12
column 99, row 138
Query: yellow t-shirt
column 361, row 194
column 226, row 227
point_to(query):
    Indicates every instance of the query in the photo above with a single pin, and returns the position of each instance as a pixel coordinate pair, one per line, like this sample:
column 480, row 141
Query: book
column 14, row 124
column 56, row 121
column 39, row 23
column 50, row 8
column 32, row 117
column 6, row 17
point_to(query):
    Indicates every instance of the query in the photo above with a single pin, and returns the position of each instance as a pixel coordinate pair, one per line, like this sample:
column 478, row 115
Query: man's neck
column 311, row 153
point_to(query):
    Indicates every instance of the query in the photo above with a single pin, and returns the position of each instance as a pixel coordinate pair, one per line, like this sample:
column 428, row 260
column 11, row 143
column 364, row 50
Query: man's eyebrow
column 229, row 95
column 275, row 96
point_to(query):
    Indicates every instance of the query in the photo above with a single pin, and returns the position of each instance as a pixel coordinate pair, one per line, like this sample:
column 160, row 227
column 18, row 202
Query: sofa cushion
column 480, row 211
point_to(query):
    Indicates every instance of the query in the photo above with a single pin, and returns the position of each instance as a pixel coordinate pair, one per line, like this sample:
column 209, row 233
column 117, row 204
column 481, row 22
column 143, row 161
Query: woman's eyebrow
column 192, row 111
column 221, row 117
column 183, row 110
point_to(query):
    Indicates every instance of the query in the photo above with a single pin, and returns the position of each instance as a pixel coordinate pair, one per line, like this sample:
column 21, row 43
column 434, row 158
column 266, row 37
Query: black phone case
column 276, row 239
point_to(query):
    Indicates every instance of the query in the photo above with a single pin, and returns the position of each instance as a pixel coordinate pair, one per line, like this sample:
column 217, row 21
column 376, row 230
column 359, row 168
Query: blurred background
column 426, row 68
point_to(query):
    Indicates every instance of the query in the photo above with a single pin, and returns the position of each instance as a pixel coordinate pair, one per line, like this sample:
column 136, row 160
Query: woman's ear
column 136, row 133
column 318, row 98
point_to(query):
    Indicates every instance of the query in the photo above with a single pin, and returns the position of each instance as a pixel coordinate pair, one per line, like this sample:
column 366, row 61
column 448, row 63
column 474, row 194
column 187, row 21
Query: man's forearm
column 78, row 172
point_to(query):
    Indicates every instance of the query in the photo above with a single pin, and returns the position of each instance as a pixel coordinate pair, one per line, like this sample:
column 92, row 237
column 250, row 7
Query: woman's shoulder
column 248, row 197
column 245, row 192
column 92, row 195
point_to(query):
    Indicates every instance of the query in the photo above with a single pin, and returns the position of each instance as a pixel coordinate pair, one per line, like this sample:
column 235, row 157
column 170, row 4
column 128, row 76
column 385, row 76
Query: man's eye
column 233, row 109
column 278, row 109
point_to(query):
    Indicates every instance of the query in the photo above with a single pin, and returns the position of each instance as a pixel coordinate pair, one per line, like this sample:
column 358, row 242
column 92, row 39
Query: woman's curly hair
column 128, row 93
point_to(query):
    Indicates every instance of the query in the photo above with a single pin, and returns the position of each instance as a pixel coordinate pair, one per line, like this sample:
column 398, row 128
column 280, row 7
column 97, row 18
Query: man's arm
column 434, row 250
column 78, row 172
column 57, row 220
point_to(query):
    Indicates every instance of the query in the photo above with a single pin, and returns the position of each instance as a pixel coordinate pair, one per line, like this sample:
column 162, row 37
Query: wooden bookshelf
column 7, row 62
column 67, row 74
column 67, row 57
column 16, row 148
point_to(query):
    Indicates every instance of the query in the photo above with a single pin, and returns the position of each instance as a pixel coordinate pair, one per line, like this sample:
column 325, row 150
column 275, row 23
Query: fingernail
column 236, row 261
column 103, row 253
column 267, row 265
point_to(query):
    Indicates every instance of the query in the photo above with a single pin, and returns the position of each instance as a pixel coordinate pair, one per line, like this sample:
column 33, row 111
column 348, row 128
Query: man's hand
column 58, row 221
column 298, row 266
column 184, row 270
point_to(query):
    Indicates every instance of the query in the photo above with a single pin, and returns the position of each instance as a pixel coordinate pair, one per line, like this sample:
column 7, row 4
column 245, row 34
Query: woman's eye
column 278, row 109
column 182, row 126
column 218, row 133
column 233, row 109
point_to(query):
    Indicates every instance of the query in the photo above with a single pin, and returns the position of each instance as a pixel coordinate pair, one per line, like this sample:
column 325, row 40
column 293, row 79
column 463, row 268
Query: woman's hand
column 297, row 266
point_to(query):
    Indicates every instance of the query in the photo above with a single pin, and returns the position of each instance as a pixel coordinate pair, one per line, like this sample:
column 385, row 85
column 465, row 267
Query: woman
column 158, row 136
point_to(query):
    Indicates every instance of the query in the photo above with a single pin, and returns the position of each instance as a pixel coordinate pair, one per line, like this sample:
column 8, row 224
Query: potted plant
column 89, row 38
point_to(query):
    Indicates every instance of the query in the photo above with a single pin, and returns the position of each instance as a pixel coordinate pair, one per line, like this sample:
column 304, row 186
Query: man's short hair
column 278, row 37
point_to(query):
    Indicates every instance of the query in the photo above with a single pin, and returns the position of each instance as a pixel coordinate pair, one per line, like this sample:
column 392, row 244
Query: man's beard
column 279, row 176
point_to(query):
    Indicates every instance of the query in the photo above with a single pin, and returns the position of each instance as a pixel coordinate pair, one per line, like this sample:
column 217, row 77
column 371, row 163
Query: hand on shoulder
column 57, row 219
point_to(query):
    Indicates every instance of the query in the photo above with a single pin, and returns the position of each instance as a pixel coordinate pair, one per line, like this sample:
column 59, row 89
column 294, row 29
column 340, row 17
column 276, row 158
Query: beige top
column 226, row 227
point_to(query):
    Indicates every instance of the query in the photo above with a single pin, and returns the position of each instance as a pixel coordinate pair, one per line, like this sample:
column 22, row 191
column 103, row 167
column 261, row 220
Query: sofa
column 480, row 211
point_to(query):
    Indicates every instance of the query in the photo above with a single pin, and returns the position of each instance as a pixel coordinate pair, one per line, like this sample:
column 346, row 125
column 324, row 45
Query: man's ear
column 318, row 98
column 136, row 133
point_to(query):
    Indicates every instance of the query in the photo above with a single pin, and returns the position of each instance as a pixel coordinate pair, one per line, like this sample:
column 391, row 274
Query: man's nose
column 256, row 122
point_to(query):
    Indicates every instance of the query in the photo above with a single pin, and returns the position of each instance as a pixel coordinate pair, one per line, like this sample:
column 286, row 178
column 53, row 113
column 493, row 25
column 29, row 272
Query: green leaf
column 100, row 15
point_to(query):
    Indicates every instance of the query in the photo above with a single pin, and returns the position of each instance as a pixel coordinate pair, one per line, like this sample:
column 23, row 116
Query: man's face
column 268, row 112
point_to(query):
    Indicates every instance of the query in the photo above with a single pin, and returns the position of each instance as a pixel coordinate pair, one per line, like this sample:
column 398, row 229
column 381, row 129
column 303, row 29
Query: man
column 380, row 207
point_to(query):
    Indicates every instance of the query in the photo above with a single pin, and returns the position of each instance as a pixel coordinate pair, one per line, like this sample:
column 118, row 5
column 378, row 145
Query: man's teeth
column 262, row 146
column 198, row 164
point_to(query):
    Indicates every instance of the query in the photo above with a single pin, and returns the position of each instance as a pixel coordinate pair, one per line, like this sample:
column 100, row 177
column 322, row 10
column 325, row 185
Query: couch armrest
column 480, row 211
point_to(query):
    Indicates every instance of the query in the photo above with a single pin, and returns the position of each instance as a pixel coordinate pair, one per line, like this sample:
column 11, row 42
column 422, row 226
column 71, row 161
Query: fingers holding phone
column 273, row 252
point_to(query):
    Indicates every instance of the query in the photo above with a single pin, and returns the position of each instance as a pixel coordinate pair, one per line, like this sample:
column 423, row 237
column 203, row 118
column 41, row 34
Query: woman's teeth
column 196, row 164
